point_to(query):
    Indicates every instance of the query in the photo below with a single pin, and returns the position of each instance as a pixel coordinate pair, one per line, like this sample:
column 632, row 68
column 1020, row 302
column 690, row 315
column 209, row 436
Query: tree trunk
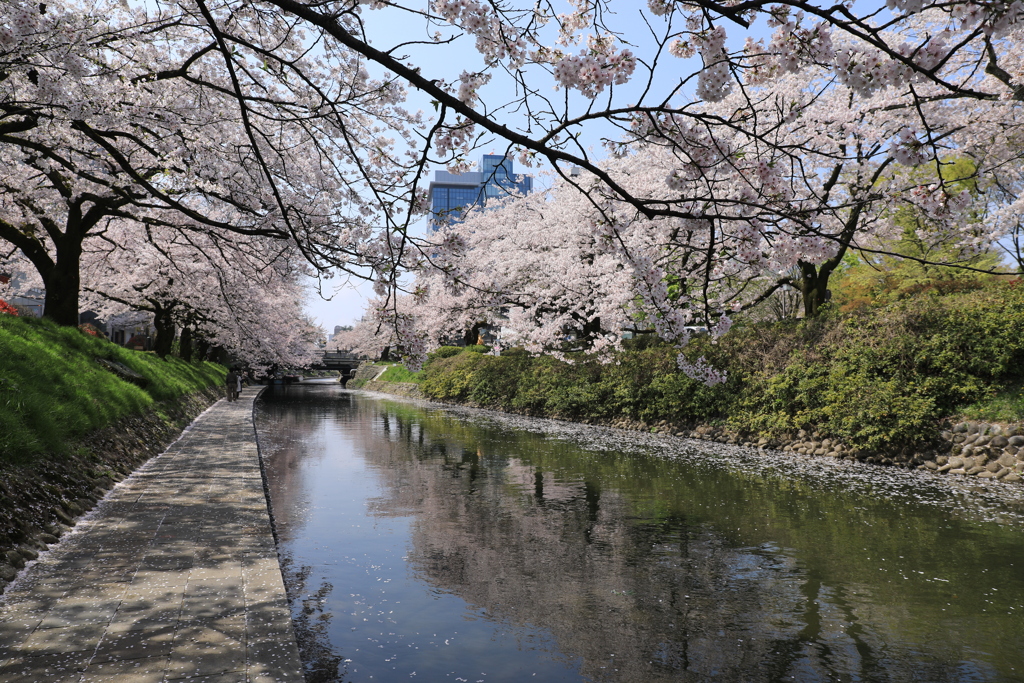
column 592, row 329
column 219, row 355
column 164, row 323
column 813, row 287
column 813, row 283
column 62, row 275
column 62, row 291
column 202, row 349
column 472, row 335
column 185, row 344
column 63, row 282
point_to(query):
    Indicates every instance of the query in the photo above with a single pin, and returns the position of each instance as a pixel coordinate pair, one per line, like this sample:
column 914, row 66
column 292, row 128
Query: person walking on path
column 231, row 382
column 238, row 385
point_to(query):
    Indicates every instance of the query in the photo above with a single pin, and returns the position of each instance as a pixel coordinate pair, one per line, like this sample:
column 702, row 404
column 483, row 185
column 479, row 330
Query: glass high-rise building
column 451, row 195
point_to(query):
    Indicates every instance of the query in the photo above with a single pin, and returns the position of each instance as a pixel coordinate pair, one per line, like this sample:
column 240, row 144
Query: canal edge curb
column 263, row 475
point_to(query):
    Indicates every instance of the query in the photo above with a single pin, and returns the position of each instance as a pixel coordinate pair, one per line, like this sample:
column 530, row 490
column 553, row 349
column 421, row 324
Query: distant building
column 451, row 195
column 133, row 329
column 338, row 329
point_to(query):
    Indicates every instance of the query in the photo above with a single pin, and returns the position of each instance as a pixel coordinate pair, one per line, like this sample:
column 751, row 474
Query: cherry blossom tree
column 390, row 330
column 835, row 172
column 17, row 276
column 532, row 268
column 931, row 49
column 113, row 112
column 303, row 143
column 242, row 295
column 1001, row 203
column 905, row 65
column 366, row 338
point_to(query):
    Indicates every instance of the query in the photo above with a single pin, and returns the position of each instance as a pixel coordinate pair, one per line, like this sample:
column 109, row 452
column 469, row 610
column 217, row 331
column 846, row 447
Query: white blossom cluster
column 469, row 84
column 715, row 81
column 701, row 371
column 937, row 203
column 494, row 40
column 906, row 149
column 596, row 68
column 455, row 138
column 997, row 18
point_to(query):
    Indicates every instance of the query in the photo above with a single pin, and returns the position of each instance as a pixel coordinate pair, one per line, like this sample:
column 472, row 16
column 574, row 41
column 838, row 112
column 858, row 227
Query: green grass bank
column 58, row 384
column 887, row 378
column 78, row 414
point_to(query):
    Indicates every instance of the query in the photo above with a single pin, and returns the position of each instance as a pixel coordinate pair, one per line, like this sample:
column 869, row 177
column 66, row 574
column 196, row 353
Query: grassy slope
column 400, row 373
column 53, row 392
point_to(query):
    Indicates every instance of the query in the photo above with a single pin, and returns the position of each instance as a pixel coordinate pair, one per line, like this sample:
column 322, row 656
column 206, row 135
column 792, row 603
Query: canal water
column 443, row 544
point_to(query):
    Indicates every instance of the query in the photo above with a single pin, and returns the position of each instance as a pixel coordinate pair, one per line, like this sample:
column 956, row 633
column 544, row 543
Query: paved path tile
column 173, row 577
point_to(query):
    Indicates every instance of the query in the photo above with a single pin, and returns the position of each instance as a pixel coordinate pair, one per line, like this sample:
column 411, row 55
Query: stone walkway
column 175, row 575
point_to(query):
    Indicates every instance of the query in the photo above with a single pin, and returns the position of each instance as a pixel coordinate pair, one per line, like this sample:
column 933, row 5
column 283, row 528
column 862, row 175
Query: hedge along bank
column 882, row 386
column 77, row 414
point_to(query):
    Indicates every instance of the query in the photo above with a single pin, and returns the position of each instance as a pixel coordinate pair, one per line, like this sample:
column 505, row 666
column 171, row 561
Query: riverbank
column 969, row 448
column 77, row 415
column 934, row 382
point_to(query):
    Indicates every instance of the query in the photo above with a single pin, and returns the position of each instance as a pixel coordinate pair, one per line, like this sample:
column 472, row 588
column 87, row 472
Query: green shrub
column 497, row 381
column 559, row 389
column 399, row 373
column 886, row 379
column 477, row 348
column 451, row 379
column 444, row 352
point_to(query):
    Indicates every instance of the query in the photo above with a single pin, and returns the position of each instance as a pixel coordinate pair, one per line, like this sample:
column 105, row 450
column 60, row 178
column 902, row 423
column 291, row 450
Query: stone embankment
column 366, row 372
column 988, row 451
column 406, row 389
column 981, row 449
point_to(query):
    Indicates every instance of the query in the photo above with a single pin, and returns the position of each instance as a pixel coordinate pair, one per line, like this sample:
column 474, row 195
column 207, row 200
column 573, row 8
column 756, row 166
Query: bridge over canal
column 344, row 362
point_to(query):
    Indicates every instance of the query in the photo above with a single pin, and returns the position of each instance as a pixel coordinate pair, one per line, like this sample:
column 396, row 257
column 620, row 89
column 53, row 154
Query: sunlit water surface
column 434, row 544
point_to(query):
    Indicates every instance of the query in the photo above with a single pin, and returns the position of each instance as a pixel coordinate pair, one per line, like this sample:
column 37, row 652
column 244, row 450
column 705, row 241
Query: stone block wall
column 980, row 449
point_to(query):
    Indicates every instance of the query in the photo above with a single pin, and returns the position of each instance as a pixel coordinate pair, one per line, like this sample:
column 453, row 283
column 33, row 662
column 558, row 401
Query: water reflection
column 463, row 549
column 320, row 661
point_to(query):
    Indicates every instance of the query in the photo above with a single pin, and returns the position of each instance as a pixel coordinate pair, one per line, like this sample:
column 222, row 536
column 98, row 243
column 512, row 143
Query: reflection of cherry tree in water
column 282, row 455
column 320, row 664
column 570, row 556
column 508, row 524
